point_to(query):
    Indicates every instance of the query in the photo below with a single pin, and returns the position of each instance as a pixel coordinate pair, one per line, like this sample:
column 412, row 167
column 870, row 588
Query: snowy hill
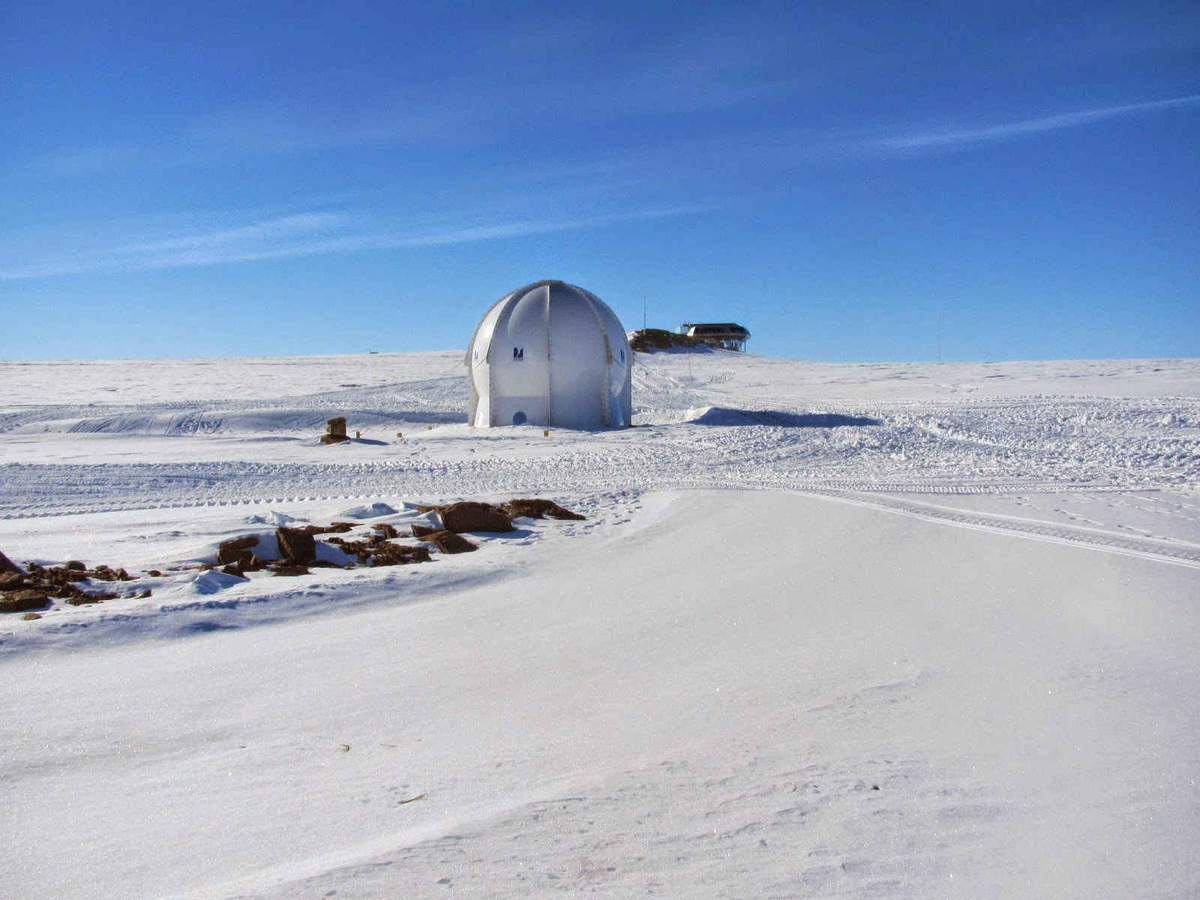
column 827, row 630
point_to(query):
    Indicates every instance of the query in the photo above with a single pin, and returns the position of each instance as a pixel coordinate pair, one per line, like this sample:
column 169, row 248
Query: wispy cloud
column 249, row 131
column 725, row 62
column 301, row 235
column 949, row 139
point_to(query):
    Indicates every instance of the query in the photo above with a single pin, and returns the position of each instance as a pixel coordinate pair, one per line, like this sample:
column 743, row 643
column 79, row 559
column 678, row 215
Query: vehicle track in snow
column 718, row 421
column 124, row 488
column 1178, row 552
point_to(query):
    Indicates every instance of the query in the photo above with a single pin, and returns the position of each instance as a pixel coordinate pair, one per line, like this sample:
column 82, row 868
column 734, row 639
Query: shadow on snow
column 718, row 415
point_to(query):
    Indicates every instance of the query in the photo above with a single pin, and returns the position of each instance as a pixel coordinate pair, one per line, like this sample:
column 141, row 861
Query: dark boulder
column 450, row 542
column 82, row 599
column 471, row 515
column 245, row 542
column 289, row 570
column 11, row 581
column 233, row 555
column 535, row 508
column 399, row 555
column 107, row 573
column 7, row 565
column 297, row 546
column 20, row 601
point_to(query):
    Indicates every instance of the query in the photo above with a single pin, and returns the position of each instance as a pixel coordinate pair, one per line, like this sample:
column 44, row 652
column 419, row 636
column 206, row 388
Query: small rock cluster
column 32, row 589
column 538, row 509
column 378, row 550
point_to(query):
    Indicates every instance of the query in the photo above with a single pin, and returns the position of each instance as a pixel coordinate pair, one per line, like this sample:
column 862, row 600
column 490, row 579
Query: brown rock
column 537, row 509
column 421, row 531
column 245, row 542
column 82, row 599
column 7, row 565
column 337, row 528
column 11, row 581
column 289, row 570
column 333, row 438
column 449, row 542
column 388, row 531
column 227, row 556
column 234, row 569
column 361, row 549
column 297, row 545
column 336, row 427
column 63, row 574
column 19, row 601
column 29, row 617
column 400, row 555
column 471, row 515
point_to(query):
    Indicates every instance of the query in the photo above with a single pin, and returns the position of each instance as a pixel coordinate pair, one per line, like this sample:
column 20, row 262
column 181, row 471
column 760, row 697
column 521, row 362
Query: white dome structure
column 550, row 353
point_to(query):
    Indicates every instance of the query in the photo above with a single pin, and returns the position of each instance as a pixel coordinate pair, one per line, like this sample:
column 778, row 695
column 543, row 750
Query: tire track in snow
column 254, row 484
column 1176, row 552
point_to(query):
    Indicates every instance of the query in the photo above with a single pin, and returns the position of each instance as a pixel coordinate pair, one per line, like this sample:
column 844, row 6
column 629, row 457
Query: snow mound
column 331, row 553
column 272, row 518
column 374, row 511
column 212, row 581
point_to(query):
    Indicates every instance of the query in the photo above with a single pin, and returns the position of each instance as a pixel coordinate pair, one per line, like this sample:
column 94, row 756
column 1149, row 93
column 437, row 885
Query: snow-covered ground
column 827, row 630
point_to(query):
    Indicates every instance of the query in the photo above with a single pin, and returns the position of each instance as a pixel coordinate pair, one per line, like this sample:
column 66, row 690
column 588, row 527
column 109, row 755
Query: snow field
column 636, row 716
column 896, row 631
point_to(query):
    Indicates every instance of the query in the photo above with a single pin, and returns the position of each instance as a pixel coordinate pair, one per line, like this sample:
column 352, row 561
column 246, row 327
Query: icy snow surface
column 827, row 630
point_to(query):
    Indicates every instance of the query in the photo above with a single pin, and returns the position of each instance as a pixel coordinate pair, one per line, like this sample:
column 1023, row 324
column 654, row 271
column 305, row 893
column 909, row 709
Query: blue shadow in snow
column 775, row 418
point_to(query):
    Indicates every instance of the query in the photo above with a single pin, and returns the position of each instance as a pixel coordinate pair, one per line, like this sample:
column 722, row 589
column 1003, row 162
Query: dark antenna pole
column 643, row 312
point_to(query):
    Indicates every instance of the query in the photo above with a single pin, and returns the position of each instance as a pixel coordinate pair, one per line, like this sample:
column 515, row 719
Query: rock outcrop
column 538, row 509
column 471, row 515
column 7, row 565
column 21, row 601
column 450, row 542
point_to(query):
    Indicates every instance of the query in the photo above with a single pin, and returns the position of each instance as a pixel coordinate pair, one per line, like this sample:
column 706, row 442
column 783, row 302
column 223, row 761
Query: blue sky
column 276, row 178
